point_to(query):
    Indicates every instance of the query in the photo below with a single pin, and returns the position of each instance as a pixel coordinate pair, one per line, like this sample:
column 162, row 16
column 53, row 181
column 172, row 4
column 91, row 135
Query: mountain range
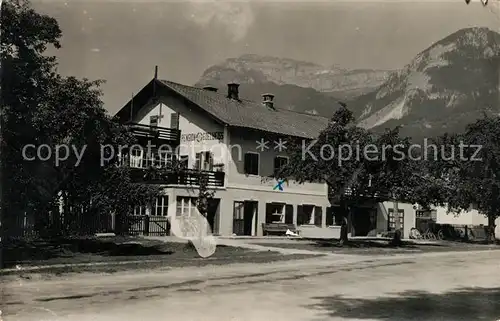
column 446, row 86
column 297, row 85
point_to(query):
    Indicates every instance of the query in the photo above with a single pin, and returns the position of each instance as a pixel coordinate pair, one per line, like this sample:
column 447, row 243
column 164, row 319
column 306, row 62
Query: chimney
column 268, row 100
column 232, row 91
column 210, row 88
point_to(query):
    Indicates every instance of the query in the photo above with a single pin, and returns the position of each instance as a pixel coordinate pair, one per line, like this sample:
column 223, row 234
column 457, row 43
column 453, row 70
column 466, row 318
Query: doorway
column 245, row 218
column 213, row 215
column 364, row 220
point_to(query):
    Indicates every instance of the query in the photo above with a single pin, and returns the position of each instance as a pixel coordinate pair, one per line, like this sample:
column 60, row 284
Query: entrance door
column 250, row 213
column 362, row 221
column 213, row 215
column 243, row 217
column 238, row 218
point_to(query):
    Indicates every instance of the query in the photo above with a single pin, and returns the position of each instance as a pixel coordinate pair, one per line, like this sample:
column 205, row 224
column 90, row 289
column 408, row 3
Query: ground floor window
column 140, row 210
column 160, row 206
column 309, row 215
column 275, row 213
column 335, row 215
column 392, row 221
column 185, row 206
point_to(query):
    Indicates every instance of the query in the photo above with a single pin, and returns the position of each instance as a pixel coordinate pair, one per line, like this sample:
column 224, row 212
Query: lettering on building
column 198, row 137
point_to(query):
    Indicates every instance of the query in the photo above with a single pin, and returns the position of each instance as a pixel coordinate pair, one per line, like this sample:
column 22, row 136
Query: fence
column 145, row 225
column 53, row 224
column 85, row 224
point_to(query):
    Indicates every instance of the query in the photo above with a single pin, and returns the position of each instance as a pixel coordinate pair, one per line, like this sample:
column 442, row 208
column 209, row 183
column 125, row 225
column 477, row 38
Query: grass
column 107, row 255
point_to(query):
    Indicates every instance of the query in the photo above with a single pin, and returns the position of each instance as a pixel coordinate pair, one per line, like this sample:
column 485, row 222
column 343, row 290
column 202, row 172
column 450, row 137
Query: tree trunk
column 396, row 240
column 491, row 228
column 344, row 237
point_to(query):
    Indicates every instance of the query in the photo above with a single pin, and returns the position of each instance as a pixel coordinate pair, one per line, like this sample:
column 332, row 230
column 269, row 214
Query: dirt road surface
column 432, row 286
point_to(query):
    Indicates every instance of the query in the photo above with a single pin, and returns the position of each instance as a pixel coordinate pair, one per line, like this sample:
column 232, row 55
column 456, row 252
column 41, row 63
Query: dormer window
column 268, row 100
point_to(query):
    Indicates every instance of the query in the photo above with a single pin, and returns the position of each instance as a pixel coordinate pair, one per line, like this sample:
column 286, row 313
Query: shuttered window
column 252, row 164
column 174, row 121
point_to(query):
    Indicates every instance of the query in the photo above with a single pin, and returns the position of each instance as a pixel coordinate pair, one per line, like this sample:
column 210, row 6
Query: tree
column 205, row 195
column 396, row 173
column 471, row 170
column 332, row 158
column 41, row 107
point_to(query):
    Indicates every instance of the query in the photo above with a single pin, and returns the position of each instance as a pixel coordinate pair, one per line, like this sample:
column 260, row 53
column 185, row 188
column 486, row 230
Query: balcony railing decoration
column 187, row 177
column 153, row 132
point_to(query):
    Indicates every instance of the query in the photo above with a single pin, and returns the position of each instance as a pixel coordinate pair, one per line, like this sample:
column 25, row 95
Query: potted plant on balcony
column 219, row 167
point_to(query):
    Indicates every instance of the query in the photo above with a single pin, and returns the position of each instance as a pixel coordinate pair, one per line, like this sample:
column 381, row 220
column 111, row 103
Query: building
column 238, row 143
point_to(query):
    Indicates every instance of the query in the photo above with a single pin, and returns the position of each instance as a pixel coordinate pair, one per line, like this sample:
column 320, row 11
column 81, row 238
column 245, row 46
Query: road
column 432, row 286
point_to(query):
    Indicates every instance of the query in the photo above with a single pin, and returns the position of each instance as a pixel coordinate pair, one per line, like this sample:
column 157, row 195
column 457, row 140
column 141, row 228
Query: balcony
column 187, row 177
column 145, row 132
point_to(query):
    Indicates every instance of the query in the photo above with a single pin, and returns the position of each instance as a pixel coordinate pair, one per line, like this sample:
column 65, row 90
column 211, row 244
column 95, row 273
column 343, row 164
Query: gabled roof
column 242, row 113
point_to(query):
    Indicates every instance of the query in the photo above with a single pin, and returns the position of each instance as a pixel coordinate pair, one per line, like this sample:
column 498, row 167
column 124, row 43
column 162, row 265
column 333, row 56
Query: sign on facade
column 198, row 137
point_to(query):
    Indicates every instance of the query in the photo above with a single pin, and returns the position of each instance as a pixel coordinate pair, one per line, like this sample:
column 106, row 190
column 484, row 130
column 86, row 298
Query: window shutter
column 174, row 121
column 329, row 216
column 300, row 215
column 210, row 161
column 318, row 213
column 248, row 166
column 197, row 164
column 289, row 214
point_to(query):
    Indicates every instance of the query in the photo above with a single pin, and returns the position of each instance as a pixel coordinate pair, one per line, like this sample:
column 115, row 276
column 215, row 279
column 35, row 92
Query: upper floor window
column 184, row 161
column 252, row 163
column 149, row 159
column 164, row 159
column 204, row 161
column 153, row 121
column 279, row 162
column 136, row 157
column 174, row 120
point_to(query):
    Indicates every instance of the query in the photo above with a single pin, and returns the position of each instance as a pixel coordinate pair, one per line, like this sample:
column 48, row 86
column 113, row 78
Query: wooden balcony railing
column 151, row 132
column 186, row 177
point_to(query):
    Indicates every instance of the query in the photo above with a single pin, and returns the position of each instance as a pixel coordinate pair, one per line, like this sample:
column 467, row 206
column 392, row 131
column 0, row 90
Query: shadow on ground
column 465, row 304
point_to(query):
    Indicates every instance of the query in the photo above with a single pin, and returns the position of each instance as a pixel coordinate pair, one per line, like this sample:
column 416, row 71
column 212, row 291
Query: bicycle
column 428, row 235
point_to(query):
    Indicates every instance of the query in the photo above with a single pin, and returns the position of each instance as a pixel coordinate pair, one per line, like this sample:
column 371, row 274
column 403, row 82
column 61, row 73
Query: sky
column 122, row 41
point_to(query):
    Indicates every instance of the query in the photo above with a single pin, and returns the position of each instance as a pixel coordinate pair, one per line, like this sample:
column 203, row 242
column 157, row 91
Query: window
column 153, row 121
column 136, row 157
column 279, row 162
column 184, row 161
column 392, row 222
column 238, row 210
column 174, row 121
column 275, row 213
column 305, row 214
column 148, row 160
column 160, row 206
column 164, row 159
column 140, row 210
column 252, row 164
column 185, row 206
column 204, row 161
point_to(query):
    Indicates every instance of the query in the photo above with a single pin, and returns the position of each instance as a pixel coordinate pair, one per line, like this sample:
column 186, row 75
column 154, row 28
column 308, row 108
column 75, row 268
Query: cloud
column 95, row 50
column 235, row 17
